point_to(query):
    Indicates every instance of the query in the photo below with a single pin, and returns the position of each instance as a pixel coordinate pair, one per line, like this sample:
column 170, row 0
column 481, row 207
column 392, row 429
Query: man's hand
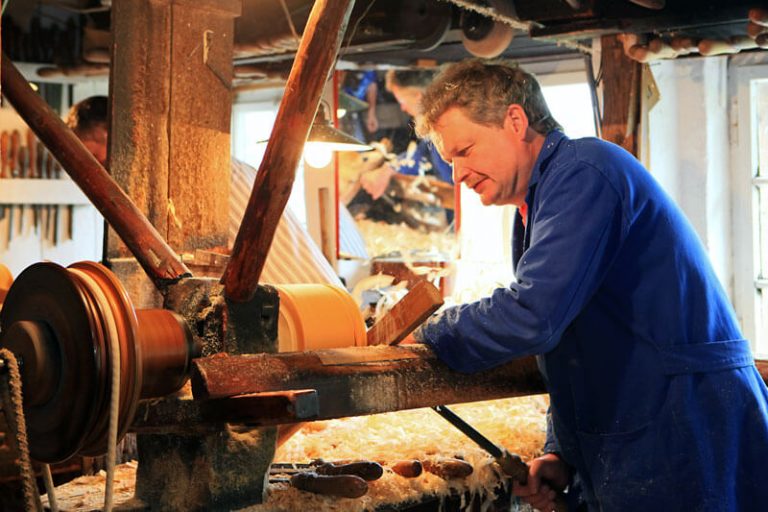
column 375, row 182
column 541, row 496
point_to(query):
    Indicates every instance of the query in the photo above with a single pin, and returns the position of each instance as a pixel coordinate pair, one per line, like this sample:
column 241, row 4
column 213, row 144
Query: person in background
column 293, row 258
column 655, row 400
column 88, row 119
column 365, row 87
column 421, row 158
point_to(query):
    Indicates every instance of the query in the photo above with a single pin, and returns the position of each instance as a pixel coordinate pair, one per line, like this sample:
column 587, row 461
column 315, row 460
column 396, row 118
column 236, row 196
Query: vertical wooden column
column 170, row 115
column 621, row 79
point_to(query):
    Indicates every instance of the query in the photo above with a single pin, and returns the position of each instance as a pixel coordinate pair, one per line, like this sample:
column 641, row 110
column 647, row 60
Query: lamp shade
column 323, row 132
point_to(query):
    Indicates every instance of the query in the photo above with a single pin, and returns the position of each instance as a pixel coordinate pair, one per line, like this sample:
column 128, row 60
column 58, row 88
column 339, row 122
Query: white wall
column 689, row 150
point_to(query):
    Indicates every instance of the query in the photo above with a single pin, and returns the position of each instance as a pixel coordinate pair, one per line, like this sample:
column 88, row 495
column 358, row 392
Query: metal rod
column 159, row 261
column 311, row 67
column 468, row 430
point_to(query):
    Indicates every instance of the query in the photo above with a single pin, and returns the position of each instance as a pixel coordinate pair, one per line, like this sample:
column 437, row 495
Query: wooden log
column 313, row 63
column 365, row 380
column 158, row 260
column 423, row 300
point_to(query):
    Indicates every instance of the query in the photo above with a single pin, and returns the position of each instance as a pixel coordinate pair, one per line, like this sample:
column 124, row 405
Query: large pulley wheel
column 59, row 323
column 484, row 37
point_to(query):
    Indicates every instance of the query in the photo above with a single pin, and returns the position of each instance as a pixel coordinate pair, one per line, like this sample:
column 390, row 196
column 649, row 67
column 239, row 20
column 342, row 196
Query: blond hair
column 484, row 90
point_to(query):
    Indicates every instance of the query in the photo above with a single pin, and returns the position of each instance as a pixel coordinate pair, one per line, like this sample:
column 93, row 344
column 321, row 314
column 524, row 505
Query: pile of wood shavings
column 79, row 493
column 382, row 238
column 518, row 424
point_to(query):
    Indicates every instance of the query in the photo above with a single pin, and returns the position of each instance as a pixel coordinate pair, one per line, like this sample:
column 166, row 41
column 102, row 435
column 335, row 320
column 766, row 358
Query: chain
column 10, row 392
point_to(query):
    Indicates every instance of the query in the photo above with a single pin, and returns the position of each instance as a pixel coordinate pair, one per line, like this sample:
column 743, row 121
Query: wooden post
column 155, row 256
column 311, row 68
column 170, row 115
column 364, row 380
column 621, row 95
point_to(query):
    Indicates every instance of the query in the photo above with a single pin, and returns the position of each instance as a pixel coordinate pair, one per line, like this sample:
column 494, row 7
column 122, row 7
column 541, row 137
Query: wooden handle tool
column 344, row 486
column 366, row 470
column 510, row 463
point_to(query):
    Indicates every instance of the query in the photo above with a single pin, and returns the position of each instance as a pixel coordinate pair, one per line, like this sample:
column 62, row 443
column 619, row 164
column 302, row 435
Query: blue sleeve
column 576, row 231
column 423, row 158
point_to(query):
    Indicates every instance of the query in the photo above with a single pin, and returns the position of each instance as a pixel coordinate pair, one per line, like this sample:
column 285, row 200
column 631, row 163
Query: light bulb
column 317, row 155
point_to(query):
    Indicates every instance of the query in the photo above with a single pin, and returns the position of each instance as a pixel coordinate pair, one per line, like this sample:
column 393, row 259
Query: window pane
column 761, row 323
column 761, row 233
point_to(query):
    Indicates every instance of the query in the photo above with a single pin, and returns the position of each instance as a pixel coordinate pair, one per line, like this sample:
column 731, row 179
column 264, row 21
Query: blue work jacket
column 655, row 399
column 424, row 159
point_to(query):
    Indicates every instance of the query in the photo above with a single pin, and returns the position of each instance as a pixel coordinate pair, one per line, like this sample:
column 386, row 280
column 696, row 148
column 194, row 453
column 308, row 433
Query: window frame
column 745, row 223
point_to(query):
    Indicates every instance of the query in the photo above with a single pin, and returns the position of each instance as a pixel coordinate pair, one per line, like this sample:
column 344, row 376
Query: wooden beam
column 170, row 115
column 621, row 95
column 365, row 380
column 158, row 260
column 311, row 68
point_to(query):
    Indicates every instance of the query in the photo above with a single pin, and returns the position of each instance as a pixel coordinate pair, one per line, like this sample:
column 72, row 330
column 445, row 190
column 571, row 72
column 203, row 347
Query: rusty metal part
column 315, row 59
column 159, row 261
column 363, row 380
column 59, row 322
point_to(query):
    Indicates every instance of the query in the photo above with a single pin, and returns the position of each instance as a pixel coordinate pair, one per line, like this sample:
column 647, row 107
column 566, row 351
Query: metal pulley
column 485, row 37
column 59, row 322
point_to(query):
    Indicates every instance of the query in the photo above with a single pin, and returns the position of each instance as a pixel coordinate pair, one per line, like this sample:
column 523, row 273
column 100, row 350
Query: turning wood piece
column 423, row 300
column 59, row 322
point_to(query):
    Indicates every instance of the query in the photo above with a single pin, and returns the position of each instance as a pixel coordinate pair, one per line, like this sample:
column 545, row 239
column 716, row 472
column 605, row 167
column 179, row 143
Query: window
column 751, row 204
column 759, row 181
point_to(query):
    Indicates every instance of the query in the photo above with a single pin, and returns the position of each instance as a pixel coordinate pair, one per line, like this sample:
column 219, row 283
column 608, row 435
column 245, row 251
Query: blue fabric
column 655, row 400
column 424, row 159
column 360, row 91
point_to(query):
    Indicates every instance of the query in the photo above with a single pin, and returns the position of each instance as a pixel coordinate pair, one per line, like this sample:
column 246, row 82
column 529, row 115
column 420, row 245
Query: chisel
column 510, row 463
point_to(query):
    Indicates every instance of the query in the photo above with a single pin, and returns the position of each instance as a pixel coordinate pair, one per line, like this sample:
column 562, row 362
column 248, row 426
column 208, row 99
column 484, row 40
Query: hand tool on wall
column 53, row 213
column 5, row 141
column 13, row 163
column 34, row 167
column 510, row 463
column 23, row 165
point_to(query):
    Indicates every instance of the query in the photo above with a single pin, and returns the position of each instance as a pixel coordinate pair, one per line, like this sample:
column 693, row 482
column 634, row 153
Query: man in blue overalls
column 655, row 400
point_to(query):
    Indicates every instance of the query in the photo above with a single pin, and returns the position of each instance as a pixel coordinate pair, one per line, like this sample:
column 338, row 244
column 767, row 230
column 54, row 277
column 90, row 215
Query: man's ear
column 516, row 120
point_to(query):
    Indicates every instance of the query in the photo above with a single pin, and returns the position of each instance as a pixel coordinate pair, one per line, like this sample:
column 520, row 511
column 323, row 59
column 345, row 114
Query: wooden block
column 406, row 315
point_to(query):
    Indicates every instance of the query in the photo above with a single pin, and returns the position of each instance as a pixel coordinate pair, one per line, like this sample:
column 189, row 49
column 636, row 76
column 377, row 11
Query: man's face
column 495, row 162
column 95, row 140
column 409, row 99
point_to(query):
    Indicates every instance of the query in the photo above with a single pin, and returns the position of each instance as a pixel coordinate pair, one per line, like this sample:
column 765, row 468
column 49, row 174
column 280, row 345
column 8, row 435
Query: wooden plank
column 392, row 383
column 312, row 66
column 420, row 302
